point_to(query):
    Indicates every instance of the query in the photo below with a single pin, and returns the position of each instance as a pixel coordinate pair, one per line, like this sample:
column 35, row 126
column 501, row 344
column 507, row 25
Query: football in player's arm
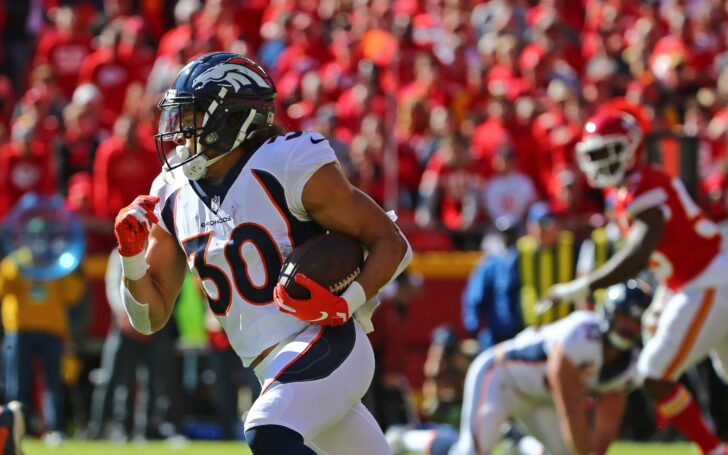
column 235, row 197
column 667, row 233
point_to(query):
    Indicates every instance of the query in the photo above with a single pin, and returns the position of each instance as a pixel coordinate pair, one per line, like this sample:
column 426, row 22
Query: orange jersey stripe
column 692, row 334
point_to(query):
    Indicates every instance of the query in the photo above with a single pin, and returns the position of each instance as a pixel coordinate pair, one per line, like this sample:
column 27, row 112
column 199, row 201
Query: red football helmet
column 612, row 144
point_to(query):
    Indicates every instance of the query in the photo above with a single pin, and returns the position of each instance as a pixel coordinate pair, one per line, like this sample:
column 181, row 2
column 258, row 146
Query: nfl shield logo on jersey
column 215, row 203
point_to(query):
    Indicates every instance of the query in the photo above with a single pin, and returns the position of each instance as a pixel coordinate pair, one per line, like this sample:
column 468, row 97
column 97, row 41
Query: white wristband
column 134, row 267
column 355, row 296
column 572, row 290
column 138, row 312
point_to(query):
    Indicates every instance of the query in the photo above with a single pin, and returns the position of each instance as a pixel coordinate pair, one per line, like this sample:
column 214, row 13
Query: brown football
column 332, row 260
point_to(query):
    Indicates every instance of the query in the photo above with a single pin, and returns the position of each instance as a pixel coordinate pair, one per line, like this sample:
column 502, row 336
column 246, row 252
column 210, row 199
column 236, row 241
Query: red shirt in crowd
column 23, row 171
column 64, row 53
column 454, row 182
column 120, row 174
column 110, row 74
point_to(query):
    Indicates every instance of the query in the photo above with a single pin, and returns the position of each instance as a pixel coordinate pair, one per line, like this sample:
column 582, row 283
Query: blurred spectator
column 63, row 45
column 19, row 25
column 490, row 135
column 304, row 50
column 164, row 70
column 574, row 203
column 326, row 123
column 491, row 301
column 133, row 47
column 367, row 156
column 388, row 397
column 367, row 96
column 35, row 322
column 43, row 104
column 445, row 369
column 123, row 169
column 177, row 38
column 106, row 69
column 547, row 255
column 507, row 193
column 449, row 193
column 7, row 103
column 84, row 131
column 117, row 389
column 25, row 166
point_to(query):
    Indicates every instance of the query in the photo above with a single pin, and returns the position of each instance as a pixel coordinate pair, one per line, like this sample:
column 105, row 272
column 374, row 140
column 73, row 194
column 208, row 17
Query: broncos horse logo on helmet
column 219, row 100
column 236, row 75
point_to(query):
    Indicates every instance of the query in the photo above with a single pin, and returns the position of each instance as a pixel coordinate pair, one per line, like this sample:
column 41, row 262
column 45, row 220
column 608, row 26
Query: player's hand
column 133, row 223
column 544, row 305
column 322, row 308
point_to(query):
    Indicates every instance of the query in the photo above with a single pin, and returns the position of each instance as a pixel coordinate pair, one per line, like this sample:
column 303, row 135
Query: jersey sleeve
column 164, row 187
column 581, row 341
column 647, row 193
column 309, row 153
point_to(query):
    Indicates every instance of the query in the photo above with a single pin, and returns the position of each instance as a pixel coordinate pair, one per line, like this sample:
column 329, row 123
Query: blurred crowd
column 438, row 108
column 456, row 112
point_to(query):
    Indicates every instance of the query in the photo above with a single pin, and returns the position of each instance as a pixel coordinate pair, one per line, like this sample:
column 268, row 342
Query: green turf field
column 32, row 447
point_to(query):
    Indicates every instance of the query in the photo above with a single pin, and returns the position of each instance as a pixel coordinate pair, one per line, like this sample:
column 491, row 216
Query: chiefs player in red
column 667, row 233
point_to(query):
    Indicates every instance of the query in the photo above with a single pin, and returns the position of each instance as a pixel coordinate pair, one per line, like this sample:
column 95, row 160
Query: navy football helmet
column 218, row 99
column 630, row 299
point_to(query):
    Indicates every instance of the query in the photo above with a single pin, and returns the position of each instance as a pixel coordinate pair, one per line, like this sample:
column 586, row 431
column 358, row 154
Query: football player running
column 236, row 195
column 543, row 378
column 667, row 233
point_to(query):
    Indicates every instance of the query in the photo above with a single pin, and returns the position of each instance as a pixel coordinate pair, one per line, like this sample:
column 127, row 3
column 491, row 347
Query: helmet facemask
column 605, row 160
column 179, row 119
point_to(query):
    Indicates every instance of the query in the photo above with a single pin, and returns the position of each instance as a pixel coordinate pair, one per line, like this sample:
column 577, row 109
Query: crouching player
column 544, row 378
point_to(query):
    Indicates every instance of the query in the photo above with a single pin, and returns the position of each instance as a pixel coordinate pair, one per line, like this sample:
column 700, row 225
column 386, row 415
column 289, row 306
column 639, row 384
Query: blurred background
column 461, row 115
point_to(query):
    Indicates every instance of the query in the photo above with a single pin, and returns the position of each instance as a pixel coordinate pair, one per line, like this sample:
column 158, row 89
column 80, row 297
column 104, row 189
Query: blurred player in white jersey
column 666, row 232
column 236, row 195
column 543, row 378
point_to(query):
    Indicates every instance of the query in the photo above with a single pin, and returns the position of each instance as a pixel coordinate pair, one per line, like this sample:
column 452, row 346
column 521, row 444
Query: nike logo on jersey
column 316, row 141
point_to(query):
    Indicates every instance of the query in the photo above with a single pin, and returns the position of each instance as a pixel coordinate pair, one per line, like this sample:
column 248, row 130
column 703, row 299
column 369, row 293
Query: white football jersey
column 236, row 235
column 581, row 338
column 508, row 196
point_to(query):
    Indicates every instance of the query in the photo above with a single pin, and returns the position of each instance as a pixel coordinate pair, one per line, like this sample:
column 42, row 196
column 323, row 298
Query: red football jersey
column 690, row 240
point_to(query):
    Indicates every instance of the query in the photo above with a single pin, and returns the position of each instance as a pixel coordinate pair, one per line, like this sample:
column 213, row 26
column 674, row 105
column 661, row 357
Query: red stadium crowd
column 417, row 97
column 456, row 112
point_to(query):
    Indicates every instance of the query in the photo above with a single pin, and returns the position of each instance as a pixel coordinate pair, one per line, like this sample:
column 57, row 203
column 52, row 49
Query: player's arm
column 568, row 393
column 153, row 266
column 335, row 204
column 332, row 202
column 607, row 419
column 642, row 239
column 161, row 284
